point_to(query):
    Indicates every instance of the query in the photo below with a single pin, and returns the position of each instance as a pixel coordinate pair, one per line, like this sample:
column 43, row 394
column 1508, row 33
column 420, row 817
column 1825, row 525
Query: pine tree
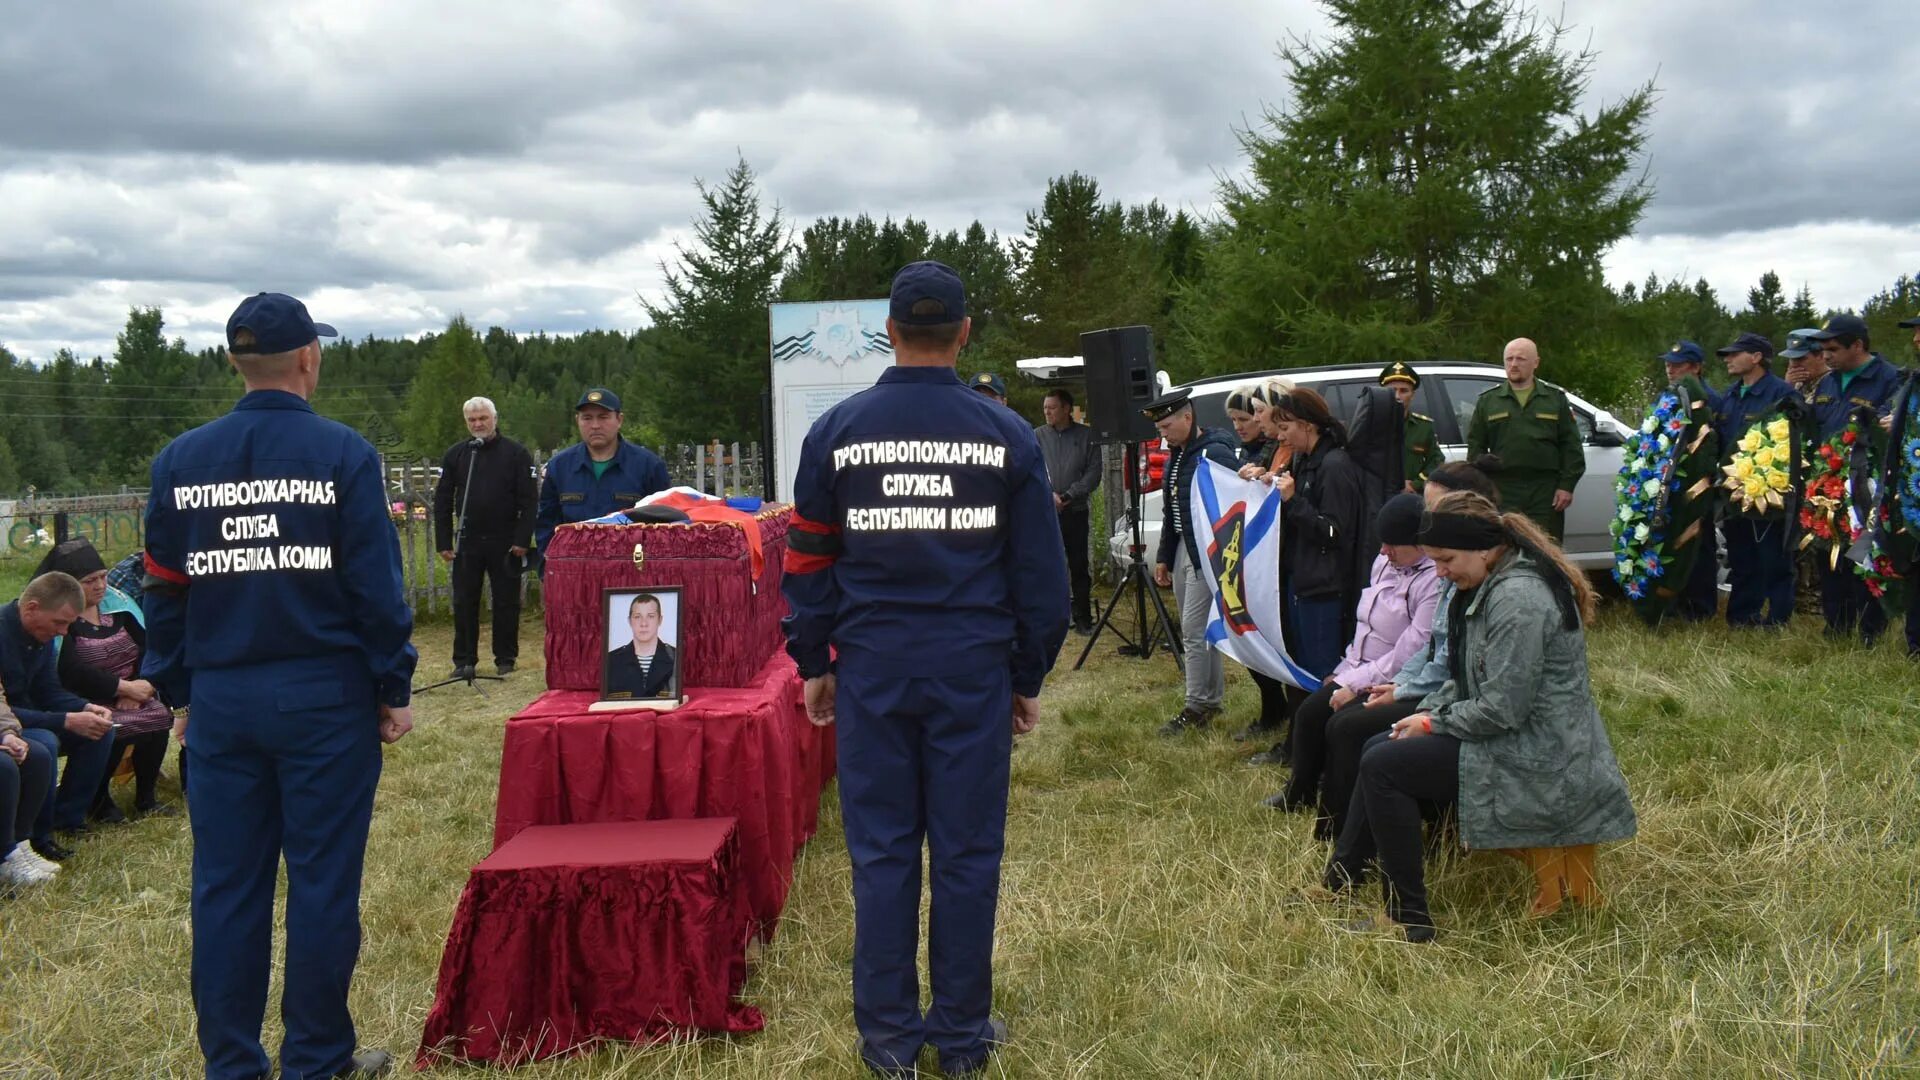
column 1433, row 188
column 704, row 372
column 454, row 371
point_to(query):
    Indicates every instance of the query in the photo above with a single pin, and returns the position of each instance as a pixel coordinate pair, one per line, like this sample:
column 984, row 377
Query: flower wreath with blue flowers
column 1659, row 496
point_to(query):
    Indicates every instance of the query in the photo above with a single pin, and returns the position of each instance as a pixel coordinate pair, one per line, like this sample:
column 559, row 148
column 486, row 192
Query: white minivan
column 1448, row 391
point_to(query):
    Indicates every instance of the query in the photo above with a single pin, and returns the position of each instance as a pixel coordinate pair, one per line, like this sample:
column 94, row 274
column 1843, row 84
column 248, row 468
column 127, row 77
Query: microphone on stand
column 476, row 442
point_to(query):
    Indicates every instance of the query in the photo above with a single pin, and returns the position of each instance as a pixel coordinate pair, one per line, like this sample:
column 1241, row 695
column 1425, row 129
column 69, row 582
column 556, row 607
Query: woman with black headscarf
column 100, row 661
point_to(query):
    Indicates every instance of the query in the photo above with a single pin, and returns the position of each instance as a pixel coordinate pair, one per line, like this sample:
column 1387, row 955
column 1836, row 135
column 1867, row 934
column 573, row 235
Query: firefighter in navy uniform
column 925, row 550
column 597, row 475
column 274, row 607
column 1422, row 445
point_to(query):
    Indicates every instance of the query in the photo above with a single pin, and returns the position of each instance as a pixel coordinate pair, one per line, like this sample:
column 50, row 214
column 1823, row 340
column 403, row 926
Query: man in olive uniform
column 1529, row 425
column 1423, row 449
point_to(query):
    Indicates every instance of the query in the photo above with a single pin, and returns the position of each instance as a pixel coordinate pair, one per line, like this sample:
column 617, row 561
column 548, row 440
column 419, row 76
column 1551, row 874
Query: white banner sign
column 823, row 353
column 1237, row 525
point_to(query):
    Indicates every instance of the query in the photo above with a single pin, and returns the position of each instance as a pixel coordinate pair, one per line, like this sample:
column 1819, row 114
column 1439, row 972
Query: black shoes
column 463, row 671
column 158, row 809
column 1277, row 754
column 996, row 1037
column 1083, row 628
column 1188, row 719
column 108, row 812
column 1283, row 800
column 367, row 1063
column 47, row 849
column 503, row 667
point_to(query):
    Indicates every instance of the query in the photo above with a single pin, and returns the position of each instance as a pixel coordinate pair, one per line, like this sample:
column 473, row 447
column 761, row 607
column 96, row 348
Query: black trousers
column 1074, row 526
column 1274, row 706
column 1845, row 602
column 1384, row 825
column 1701, row 597
column 501, row 567
column 1309, row 745
column 1348, row 732
column 149, row 753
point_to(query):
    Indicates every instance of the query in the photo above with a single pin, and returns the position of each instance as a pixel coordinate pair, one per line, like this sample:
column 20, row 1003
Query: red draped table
column 567, row 934
column 748, row 754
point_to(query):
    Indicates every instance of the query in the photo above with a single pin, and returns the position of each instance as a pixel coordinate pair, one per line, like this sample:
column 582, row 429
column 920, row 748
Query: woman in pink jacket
column 1392, row 622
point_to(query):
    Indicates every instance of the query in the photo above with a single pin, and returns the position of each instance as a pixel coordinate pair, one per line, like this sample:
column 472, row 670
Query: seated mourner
column 1391, row 624
column 58, row 719
column 26, row 772
column 1513, row 739
column 100, row 660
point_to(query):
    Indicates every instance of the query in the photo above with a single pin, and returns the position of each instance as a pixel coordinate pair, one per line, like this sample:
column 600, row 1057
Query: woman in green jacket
column 1512, row 739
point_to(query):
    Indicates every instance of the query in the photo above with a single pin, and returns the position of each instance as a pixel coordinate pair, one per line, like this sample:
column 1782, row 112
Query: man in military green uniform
column 1530, row 426
column 1423, row 449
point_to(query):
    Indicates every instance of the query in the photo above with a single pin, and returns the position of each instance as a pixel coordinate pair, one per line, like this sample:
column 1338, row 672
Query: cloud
column 530, row 165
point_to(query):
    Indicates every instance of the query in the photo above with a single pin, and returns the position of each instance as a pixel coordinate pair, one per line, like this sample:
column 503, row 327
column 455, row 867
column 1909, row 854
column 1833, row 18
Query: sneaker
column 15, row 870
column 32, row 858
column 1187, row 719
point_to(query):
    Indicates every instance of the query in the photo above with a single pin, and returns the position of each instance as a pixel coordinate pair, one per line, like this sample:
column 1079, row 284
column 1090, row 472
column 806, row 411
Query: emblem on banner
column 1224, row 555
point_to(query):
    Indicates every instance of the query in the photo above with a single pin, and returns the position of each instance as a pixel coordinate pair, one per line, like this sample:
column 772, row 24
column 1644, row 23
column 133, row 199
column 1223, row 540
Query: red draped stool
column 571, row 933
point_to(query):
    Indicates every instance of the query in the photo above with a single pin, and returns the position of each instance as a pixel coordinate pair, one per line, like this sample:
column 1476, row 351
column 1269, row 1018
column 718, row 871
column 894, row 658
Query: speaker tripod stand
column 1136, row 579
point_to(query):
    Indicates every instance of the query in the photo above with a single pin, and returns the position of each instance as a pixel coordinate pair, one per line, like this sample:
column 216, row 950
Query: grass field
column 1763, row 923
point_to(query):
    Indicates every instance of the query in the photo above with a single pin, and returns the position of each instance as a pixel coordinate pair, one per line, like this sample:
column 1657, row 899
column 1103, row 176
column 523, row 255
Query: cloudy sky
column 396, row 162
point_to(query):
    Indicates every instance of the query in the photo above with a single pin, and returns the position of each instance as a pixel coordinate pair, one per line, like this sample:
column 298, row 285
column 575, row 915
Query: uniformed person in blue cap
column 597, row 475
column 1858, row 383
column 274, row 608
column 1759, row 545
column 986, row 382
column 925, row 551
column 1700, row 596
column 1806, row 364
column 1178, row 561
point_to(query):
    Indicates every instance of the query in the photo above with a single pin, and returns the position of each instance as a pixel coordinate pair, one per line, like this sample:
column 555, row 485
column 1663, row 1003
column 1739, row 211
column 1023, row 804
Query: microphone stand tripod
column 471, row 674
column 1136, row 577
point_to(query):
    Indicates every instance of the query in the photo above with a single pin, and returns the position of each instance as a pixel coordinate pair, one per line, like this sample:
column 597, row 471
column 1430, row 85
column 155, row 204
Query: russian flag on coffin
column 1237, row 524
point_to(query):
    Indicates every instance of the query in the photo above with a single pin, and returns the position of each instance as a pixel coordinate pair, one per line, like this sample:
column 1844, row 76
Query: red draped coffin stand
column 748, row 753
column 575, row 933
column 730, row 608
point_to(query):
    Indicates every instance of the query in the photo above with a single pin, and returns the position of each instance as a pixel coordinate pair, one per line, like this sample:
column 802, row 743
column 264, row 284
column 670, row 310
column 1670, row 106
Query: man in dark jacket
column 1073, row 471
column 1178, row 561
column 489, row 482
column 55, row 717
column 643, row 668
column 1859, row 383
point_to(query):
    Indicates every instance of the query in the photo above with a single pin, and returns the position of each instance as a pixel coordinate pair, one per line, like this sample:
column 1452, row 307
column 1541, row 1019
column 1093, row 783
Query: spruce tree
column 454, row 371
column 1431, row 188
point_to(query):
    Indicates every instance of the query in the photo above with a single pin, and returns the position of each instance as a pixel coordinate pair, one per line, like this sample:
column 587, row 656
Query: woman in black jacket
column 1325, row 525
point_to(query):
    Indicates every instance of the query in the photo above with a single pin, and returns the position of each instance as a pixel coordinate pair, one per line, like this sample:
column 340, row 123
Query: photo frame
column 641, row 665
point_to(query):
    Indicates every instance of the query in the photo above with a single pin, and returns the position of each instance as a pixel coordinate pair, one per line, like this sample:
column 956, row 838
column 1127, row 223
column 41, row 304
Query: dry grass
column 1763, row 924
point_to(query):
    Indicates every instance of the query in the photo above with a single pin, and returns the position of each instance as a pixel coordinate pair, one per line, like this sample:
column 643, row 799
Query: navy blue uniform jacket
column 268, row 538
column 1871, row 388
column 28, row 673
column 924, row 541
column 570, row 492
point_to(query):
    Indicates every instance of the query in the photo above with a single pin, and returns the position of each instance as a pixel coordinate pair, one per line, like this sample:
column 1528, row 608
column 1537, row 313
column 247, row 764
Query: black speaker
column 1120, row 382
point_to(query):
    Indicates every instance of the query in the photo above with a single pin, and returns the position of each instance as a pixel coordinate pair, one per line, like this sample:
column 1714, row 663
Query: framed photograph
column 641, row 667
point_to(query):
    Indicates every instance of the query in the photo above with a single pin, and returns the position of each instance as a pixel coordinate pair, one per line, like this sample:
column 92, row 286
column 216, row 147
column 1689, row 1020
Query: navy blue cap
column 987, row 380
column 932, row 287
column 600, row 396
column 1841, row 326
column 1685, row 352
column 1799, row 343
column 1908, row 324
column 278, row 322
column 1748, row 342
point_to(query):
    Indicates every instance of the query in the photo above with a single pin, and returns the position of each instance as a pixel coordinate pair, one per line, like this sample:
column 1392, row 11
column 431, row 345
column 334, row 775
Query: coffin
column 730, row 618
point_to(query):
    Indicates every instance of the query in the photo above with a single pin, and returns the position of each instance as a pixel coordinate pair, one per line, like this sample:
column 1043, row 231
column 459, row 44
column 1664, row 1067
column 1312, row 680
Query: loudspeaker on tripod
column 1118, row 363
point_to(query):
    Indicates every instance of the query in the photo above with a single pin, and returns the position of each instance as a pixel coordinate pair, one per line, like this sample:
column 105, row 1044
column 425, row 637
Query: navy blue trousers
column 23, row 790
column 285, row 758
column 924, row 761
column 1700, row 599
column 64, row 806
column 1759, row 572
